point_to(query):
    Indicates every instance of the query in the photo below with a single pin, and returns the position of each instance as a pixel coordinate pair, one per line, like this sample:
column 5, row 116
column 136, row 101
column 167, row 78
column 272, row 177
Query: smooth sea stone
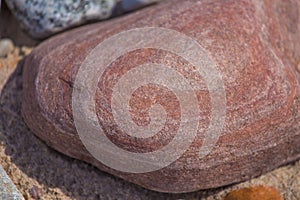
column 42, row 18
column 255, row 45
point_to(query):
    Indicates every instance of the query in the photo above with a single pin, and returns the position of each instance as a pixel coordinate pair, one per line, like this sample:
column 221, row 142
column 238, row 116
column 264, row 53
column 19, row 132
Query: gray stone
column 7, row 189
column 42, row 18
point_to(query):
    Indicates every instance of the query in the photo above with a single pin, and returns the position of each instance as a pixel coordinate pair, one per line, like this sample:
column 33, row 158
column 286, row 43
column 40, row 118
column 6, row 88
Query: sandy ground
column 42, row 173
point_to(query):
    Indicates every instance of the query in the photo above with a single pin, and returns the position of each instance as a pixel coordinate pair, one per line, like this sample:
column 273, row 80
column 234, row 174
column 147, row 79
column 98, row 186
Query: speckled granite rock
column 254, row 44
column 7, row 189
column 42, row 18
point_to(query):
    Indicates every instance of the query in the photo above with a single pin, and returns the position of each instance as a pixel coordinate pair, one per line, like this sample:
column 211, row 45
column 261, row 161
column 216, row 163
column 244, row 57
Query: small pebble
column 254, row 193
column 6, row 47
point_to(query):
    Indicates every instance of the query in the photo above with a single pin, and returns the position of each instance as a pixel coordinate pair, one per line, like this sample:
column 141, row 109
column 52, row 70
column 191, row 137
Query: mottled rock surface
column 42, row 18
column 7, row 189
column 254, row 44
column 59, row 177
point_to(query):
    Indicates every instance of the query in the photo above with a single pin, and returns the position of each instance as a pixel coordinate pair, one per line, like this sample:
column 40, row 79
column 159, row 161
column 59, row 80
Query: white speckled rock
column 42, row 18
column 7, row 189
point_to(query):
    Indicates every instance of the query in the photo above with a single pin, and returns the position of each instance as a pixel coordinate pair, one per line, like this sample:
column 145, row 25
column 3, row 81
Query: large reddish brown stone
column 255, row 47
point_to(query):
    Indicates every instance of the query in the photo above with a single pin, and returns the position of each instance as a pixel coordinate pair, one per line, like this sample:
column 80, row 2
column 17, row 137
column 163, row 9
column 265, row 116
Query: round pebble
column 6, row 46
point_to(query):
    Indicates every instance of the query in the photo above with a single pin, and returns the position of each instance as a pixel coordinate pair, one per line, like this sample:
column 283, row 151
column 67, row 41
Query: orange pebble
column 254, row 193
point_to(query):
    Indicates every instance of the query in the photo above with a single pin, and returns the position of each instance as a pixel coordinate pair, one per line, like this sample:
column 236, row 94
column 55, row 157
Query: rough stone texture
column 33, row 166
column 254, row 44
column 42, row 18
column 7, row 189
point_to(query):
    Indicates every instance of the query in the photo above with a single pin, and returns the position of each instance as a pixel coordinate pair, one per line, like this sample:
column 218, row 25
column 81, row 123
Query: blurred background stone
column 43, row 18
